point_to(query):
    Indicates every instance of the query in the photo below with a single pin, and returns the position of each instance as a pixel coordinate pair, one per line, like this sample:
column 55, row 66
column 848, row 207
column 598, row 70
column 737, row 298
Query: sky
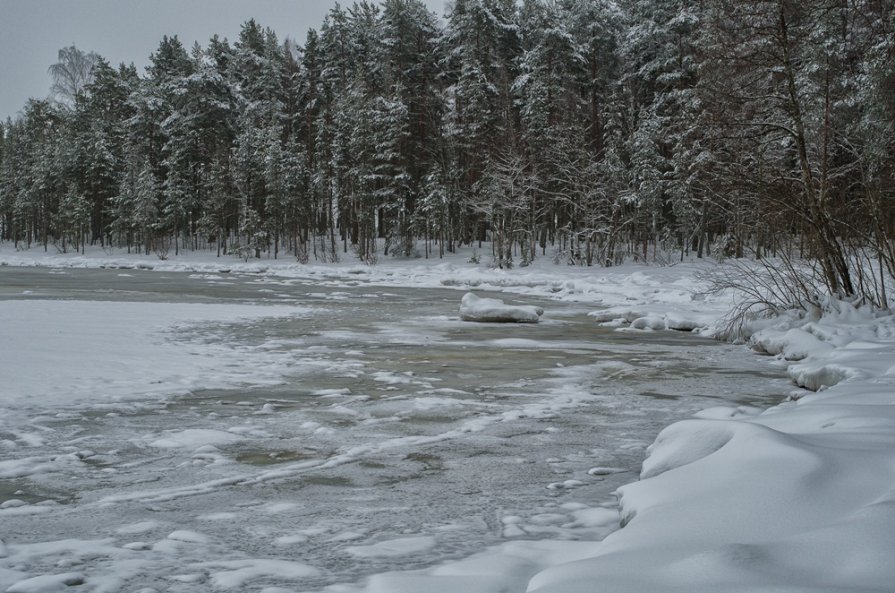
column 33, row 31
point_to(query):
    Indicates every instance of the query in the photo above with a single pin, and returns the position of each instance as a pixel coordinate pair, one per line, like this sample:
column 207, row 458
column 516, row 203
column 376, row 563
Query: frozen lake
column 371, row 431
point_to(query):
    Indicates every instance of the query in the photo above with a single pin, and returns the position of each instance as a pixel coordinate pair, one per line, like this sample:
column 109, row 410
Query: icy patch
column 193, row 438
column 727, row 412
column 798, row 498
column 605, row 471
column 32, row 466
column 404, row 546
column 104, row 351
column 187, row 536
column 235, row 574
column 17, row 508
column 565, row 485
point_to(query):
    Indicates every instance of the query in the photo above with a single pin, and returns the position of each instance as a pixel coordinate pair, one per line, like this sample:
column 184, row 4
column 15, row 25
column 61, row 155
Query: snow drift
column 798, row 498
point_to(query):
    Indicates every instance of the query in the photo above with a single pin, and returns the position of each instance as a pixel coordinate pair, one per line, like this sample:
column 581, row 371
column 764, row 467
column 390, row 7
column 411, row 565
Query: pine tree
column 98, row 126
column 37, row 203
column 483, row 49
column 551, row 113
column 873, row 84
column 219, row 206
column 410, row 38
column 4, row 219
column 147, row 199
column 310, row 97
column 11, row 179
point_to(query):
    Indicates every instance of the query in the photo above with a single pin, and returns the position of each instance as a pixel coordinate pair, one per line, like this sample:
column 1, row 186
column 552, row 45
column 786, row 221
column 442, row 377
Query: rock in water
column 473, row 308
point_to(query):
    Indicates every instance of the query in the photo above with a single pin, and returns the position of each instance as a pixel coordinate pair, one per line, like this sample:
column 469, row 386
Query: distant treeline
column 593, row 131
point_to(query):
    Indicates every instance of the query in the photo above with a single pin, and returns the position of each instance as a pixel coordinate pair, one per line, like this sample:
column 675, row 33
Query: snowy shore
column 800, row 497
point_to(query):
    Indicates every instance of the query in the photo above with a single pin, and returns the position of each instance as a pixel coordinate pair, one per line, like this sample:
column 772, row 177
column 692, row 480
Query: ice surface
column 389, row 421
column 97, row 350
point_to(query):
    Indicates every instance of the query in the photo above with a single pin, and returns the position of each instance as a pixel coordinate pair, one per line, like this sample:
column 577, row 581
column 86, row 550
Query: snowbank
column 798, row 498
column 473, row 308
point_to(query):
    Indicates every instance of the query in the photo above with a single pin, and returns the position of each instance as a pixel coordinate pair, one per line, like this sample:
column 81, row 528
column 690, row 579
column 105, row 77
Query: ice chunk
column 47, row 583
column 473, row 308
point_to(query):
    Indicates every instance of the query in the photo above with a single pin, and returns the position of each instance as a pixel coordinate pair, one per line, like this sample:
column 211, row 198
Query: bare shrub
column 162, row 247
column 763, row 288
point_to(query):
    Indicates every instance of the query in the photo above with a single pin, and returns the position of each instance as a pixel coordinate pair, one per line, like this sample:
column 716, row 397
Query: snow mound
column 473, row 308
column 683, row 443
column 649, row 322
column 816, row 377
column 794, row 344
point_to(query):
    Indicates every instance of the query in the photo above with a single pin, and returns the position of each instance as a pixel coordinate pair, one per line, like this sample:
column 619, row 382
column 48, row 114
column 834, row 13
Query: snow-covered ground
column 799, row 497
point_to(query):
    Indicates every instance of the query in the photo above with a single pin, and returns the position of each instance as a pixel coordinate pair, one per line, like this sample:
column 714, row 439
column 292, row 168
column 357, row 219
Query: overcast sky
column 33, row 31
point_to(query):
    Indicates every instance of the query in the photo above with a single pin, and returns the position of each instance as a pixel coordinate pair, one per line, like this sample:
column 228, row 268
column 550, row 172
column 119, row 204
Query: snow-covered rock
column 473, row 308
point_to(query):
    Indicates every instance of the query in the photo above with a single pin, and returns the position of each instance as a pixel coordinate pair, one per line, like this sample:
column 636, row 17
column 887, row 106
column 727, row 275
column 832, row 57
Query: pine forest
column 592, row 132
